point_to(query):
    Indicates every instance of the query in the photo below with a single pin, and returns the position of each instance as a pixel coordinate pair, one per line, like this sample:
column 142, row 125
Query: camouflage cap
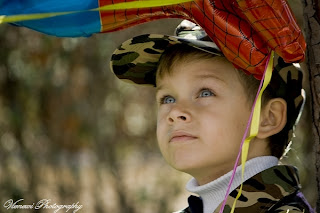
column 136, row 61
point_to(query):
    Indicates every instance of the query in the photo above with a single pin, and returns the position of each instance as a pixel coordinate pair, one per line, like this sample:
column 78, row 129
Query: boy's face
column 202, row 116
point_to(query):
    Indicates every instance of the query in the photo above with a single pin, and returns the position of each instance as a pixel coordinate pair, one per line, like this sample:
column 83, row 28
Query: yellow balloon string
column 140, row 4
column 119, row 6
column 254, row 128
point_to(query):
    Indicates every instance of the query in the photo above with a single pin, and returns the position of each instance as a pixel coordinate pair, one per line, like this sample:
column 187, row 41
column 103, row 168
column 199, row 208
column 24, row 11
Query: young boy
column 204, row 105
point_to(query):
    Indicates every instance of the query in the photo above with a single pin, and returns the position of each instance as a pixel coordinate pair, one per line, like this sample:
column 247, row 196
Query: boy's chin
column 203, row 173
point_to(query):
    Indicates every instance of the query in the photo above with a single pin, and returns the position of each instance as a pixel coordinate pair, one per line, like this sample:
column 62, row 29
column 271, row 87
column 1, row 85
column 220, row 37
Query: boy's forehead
column 218, row 68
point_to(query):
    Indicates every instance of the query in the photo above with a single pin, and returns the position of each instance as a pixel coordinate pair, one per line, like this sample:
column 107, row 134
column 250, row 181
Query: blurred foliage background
column 70, row 131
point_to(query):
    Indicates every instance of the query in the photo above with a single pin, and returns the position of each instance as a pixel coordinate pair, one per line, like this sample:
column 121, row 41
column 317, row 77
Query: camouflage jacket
column 275, row 190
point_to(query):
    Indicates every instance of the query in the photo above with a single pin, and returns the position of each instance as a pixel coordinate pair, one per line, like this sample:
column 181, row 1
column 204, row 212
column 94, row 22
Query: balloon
column 245, row 30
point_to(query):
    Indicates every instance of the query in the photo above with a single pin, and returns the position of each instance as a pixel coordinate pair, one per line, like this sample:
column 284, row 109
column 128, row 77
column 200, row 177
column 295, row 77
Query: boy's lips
column 181, row 136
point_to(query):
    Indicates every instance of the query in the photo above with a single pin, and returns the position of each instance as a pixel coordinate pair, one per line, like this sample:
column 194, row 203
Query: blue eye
column 206, row 93
column 167, row 100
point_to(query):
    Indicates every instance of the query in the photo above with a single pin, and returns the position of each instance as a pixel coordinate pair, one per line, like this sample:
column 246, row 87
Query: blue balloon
column 72, row 25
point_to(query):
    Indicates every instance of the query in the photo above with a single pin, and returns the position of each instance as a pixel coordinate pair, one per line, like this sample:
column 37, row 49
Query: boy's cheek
column 158, row 122
column 158, row 129
column 161, row 116
column 162, row 132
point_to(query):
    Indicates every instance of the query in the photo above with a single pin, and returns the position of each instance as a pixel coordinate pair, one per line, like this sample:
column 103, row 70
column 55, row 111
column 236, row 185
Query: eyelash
column 206, row 89
column 162, row 99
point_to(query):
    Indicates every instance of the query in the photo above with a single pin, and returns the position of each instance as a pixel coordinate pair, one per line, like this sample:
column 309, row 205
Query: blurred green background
column 70, row 131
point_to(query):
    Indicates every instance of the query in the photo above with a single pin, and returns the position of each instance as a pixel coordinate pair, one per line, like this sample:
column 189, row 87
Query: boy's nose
column 178, row 115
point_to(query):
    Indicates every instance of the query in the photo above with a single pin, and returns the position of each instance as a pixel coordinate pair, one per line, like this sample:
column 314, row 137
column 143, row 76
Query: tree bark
column 312, row 27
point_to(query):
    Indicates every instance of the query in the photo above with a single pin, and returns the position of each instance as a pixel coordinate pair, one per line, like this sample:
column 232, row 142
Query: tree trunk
column 312, row 27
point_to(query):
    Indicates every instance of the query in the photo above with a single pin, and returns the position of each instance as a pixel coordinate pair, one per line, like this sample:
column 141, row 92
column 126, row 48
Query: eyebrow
column 158, row 88
column 201, row 77
column 206, row 76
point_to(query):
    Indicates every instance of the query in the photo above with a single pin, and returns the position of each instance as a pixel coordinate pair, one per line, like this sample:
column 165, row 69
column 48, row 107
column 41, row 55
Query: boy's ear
column 273, row 118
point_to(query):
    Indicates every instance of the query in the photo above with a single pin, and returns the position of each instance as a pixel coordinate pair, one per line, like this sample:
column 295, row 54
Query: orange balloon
column 245, row 30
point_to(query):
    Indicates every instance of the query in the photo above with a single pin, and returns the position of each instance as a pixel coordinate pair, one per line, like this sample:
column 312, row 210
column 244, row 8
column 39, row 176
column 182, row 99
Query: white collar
column 213, row 193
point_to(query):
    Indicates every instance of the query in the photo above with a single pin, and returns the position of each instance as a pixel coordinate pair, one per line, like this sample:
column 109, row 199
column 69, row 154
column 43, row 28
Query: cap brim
column 136, row 60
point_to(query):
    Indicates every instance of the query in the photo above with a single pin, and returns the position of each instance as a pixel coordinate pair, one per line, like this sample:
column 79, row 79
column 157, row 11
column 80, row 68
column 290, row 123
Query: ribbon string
column 253, row 123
